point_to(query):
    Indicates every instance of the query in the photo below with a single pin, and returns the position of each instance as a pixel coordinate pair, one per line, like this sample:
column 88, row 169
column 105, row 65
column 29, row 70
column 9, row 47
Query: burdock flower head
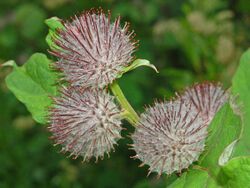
column 86, row 124
column 171, row 135
column 92, row 51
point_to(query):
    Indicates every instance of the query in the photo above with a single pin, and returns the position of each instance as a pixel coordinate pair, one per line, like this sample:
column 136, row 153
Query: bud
column 92, row 51
column 86, row 124
column 169, row 136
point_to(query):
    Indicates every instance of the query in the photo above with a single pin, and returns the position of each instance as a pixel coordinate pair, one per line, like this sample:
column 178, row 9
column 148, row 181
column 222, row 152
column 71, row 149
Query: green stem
column 131, row 115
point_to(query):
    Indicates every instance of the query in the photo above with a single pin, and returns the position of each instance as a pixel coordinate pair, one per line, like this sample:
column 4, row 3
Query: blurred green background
column 188, row 41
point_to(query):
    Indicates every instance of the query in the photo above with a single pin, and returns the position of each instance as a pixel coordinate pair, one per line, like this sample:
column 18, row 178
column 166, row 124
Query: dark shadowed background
column 188, row 41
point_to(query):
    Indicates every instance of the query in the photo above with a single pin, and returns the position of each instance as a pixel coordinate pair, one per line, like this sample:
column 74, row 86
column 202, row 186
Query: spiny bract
column 86, row 124
column 92, row 51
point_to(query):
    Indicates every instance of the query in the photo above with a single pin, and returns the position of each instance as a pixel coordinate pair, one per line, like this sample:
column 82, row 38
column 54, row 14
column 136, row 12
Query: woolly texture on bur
column 207, row 98
column 92, row 51
column 86, row 124
column 171, row 135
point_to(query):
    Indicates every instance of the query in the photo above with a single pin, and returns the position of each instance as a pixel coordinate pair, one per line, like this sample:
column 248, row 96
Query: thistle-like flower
column 86, row 124
column 169, row 136
column 92, row 51
column 207, row 98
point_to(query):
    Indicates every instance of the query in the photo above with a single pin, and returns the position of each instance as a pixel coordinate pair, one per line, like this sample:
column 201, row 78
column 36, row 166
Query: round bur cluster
column 207, row 98
column 86, row 124
column 92, row 51
column 169, row 137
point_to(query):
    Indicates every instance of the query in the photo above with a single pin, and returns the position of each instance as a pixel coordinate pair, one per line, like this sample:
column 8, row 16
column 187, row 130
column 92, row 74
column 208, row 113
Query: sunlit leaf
column 224, row 129
column 241, row 88
column 32, row 84
column 236, row 173
column 194, row 178
column 54, row 24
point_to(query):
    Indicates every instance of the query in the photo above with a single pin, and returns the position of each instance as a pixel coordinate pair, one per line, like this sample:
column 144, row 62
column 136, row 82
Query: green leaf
column 54, row 24
column 194, row 178
column 236, row 173
column 241, row 88
column 224, row 129
column 32, row 84
column 137, row 63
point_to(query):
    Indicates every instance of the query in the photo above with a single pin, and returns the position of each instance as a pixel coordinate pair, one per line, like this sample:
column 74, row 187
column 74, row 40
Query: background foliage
column 188, row 41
